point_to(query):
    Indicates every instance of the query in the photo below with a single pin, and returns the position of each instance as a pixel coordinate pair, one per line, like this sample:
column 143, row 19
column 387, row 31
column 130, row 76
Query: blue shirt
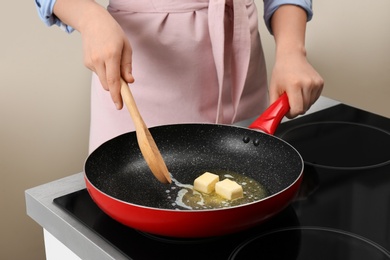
column 270, row 6
column 45, row 11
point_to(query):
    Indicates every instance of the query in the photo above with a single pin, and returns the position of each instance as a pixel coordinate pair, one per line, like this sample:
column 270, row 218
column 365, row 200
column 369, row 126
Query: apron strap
column 241, row 48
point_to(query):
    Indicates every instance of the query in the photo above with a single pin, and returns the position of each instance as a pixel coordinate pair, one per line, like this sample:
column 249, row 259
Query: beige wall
column 45, row 96
column 44, row 102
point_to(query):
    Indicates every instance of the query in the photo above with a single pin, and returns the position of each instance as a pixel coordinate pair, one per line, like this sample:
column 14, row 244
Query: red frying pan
column 121, row 184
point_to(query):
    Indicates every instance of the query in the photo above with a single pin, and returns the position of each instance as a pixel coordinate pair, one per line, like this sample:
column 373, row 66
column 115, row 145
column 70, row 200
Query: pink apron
column 193, row 61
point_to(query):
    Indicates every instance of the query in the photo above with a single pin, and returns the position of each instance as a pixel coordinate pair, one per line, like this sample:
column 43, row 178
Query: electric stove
column 342, row 210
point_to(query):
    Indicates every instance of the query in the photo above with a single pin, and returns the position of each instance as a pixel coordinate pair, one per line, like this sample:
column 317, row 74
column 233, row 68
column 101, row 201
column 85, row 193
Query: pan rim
column 195, row 211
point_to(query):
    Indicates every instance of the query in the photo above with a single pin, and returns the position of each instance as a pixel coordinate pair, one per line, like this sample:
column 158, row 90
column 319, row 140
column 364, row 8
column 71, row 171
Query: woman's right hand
column 107, row 51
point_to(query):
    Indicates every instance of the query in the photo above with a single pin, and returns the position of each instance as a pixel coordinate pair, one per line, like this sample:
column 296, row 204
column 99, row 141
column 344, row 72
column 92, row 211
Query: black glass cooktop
column 342, row 211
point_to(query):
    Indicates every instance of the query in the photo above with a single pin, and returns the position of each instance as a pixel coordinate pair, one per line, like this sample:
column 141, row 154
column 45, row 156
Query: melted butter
column 189, row 198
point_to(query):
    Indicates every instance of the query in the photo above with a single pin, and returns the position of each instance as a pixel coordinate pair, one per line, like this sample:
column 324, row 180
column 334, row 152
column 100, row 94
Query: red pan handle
column 270, row 119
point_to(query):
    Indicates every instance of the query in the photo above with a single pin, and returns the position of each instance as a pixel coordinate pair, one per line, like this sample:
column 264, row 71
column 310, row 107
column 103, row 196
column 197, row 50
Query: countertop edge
column 69, row 231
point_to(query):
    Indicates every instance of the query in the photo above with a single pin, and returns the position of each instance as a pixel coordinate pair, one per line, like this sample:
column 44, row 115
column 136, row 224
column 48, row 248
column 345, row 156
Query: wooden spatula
column 145, row 140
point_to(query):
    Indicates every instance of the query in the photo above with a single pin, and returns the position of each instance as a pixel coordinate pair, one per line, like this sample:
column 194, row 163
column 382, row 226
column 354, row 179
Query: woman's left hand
column 293, row 74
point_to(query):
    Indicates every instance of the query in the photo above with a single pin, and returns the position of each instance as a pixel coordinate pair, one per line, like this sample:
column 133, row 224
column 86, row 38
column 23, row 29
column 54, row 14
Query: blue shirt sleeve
column 270, row 6
column 45, row 11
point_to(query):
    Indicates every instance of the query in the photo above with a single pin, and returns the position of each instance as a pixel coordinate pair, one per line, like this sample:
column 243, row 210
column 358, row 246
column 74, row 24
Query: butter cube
column 229, row 189
column 206, row 182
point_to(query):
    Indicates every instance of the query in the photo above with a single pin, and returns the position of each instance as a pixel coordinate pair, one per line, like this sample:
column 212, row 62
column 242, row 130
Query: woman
column 192, row 60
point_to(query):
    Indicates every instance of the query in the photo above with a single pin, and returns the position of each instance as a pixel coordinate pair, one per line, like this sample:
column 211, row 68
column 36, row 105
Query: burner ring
column 340, row 145
column 178, row 241
column 361, row 247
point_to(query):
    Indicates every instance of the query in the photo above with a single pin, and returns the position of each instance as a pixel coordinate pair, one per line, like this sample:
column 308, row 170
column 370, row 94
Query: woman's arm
column 292, row 72
column 107, row 51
